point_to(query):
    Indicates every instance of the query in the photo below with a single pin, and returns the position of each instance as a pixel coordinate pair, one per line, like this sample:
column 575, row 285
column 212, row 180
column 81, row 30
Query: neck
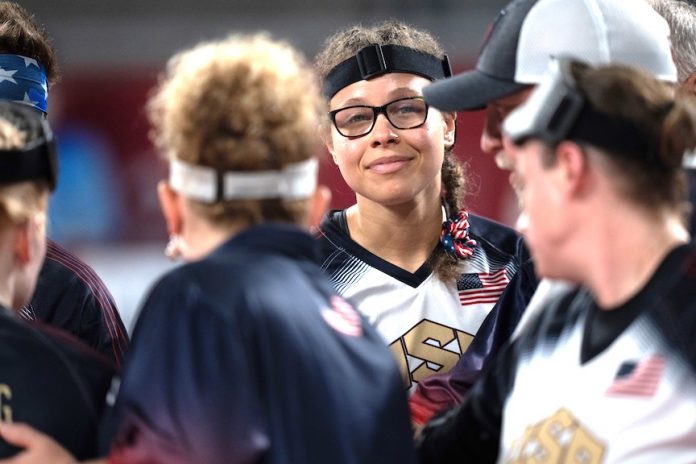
column 8, row 270
column 201, row 237
column 620, row 265
column 404, row 235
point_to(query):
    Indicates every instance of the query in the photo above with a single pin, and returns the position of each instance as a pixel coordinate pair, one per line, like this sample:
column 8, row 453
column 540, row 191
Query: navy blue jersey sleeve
column 470, row 432
column 52, row 382
column 187, row 369
column 71, row 296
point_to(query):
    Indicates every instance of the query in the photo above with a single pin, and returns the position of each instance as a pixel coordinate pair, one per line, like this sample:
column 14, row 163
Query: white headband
column 294, row 181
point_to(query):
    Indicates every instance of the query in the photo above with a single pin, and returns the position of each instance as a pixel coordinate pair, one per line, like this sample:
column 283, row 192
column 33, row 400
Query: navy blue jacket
column 250, row 356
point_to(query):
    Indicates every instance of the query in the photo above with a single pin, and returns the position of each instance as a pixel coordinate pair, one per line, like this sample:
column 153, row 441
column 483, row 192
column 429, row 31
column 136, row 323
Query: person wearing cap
column 514, row 57
column 681, row 17
column 607, row 373
column 47, row 379
column 440, row 284
column 69, row 294
column 246, row 353
column 526, row 34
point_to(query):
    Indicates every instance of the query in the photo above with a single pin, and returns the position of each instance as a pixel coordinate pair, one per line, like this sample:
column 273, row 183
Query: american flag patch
column 638, row 378
column 483, row 287
column 342, row 317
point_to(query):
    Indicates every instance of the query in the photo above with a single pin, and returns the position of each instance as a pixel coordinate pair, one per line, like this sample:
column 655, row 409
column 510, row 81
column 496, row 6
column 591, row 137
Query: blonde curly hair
column 245, row 103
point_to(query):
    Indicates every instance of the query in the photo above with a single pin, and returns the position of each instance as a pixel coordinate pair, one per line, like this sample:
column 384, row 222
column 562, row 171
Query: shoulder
column 561, row 312
column 33, row 355
column 497, row 236
column 64, row 272
column 332, row 232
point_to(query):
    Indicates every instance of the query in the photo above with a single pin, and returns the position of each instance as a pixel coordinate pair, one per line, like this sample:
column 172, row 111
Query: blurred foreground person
column 607, row 372
column 69, row 294
column 47, row 378
column 246, row 353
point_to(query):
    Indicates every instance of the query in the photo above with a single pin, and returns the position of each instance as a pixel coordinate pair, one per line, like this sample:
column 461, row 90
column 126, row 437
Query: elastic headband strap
column 375, row 60
column 23, row 80
column 37, row 161
column 613, row 134
column 202, row 183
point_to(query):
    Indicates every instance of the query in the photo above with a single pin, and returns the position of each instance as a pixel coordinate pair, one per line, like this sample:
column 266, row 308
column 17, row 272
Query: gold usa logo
column 560, row 438
column 438, row 346
column 5, row 397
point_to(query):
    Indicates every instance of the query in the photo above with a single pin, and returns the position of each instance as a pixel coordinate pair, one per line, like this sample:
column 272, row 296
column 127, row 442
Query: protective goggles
column 558, row 111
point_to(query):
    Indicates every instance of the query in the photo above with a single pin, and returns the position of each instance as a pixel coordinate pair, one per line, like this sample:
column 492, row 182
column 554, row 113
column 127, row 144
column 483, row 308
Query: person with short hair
column 246, row 353
column 607, row 372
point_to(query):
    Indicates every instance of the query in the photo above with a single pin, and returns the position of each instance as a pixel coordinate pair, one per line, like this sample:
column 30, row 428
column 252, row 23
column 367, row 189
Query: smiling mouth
column 388, row 165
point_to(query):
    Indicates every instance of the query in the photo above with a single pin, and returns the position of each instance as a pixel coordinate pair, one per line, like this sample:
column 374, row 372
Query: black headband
column 35, row 161
column 557, row 111
column 375, row 60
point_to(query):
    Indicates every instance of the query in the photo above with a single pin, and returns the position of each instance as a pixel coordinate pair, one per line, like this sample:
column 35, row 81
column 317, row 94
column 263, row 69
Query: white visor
column 293, row 182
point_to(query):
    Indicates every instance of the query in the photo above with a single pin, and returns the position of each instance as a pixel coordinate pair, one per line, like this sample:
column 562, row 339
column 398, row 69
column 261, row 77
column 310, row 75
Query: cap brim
column 471, row 90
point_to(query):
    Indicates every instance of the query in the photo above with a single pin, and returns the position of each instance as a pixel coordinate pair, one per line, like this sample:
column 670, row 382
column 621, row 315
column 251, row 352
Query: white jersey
column 582, row 411
column 586, row 385
column 428, row 323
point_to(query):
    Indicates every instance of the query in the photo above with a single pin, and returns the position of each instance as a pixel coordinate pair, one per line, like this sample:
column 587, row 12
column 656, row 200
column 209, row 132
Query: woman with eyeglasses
column 422, row 269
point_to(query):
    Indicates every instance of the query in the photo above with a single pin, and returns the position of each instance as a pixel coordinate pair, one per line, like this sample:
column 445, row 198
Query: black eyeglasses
column 356, row 121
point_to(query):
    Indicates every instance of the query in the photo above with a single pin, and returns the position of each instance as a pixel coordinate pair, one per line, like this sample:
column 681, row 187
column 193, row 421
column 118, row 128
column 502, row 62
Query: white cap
column 528, row 34
column 597, row 32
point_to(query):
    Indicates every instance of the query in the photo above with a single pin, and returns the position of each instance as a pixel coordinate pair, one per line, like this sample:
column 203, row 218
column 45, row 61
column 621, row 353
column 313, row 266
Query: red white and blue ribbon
column 455, row 236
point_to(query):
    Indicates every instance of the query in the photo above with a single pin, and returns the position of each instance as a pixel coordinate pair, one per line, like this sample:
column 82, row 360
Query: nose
column 492, row 140
column 383, row 133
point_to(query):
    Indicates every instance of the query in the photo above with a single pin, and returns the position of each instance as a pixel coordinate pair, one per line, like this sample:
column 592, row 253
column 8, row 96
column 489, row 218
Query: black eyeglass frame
column 376, row 111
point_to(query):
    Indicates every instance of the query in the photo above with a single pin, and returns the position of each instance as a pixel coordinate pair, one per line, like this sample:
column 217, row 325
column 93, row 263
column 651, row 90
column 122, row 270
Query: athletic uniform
column 581, row 384
column 249, row 355
column 71, row 296
column 52, row 382
column 426, row 322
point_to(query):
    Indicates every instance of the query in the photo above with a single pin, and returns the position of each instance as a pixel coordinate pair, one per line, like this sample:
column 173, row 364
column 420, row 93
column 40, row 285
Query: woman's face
column 544, row 214
column 391, row 166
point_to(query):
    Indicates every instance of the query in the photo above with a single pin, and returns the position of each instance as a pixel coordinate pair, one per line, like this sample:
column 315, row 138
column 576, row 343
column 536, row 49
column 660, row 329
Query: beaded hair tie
column 455, row 236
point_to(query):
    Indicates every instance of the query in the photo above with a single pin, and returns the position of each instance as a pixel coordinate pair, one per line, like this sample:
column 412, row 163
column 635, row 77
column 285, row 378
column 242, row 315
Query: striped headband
column 23, row 80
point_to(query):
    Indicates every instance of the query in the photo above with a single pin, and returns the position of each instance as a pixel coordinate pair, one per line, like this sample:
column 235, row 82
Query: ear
column 572, row 167
column 450, row 121
column 690, row 83
column 22, row 245
column 319, row 204
column 169, row 203
column 327, row 139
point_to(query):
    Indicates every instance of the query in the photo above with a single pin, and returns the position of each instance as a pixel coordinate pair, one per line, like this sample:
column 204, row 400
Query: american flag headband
column 23, row 80
column 206, row 184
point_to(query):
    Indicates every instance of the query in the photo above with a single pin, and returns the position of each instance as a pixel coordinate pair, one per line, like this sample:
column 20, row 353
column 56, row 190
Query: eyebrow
column 394, row 94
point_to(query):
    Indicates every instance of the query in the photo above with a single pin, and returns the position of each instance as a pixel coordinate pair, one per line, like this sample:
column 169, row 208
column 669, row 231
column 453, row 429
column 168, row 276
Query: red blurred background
column 110, row 106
